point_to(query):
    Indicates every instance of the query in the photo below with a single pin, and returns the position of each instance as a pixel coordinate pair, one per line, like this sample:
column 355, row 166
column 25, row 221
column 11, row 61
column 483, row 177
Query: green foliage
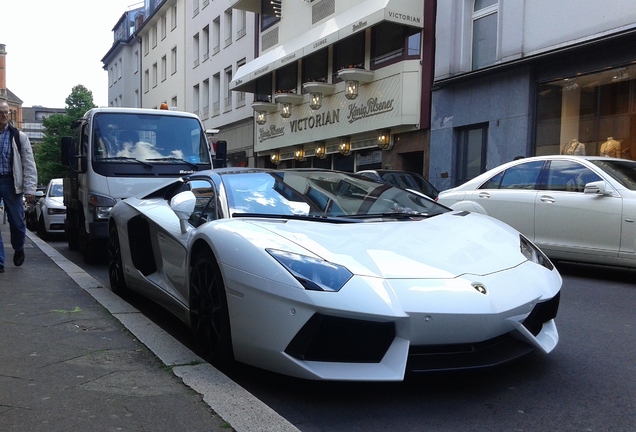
column 47, row 153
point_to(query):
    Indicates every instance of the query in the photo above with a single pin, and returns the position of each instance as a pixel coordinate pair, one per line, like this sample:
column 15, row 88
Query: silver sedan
column 573, row 207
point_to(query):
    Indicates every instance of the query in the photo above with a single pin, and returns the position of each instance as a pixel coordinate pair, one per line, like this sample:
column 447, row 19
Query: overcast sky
column 52, row 46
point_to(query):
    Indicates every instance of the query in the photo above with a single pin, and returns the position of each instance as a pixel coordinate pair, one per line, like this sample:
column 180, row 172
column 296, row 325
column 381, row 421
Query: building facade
column 530, row 77
column 32, row 121
column 339, row 84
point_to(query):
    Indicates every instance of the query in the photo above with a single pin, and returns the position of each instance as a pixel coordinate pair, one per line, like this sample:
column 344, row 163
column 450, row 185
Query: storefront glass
column 592, row 114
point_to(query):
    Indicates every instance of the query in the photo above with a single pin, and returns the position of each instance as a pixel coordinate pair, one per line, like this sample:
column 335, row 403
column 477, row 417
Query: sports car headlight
column 314, row 274
column 530, row 251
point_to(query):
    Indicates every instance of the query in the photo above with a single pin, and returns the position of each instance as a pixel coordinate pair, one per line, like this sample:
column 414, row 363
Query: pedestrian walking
column 18, row 177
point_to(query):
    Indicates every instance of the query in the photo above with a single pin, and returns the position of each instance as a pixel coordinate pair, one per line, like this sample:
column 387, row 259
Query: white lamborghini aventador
column 326, row 275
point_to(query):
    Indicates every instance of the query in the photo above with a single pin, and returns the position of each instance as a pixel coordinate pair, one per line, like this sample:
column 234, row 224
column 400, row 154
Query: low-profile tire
column 209, row 313
column 115, row 266
column 42, row 229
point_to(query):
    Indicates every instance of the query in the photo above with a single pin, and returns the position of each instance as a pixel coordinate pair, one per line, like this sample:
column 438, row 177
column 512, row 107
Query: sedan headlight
column 53, row 211
column 313, row 274
column 534, row 254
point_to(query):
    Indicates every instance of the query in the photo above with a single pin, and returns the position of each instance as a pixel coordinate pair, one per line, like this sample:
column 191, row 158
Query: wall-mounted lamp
column 261, row 109
column 274, row 157
column 570, row 84
column 315, row 102
column 320, row 151
column 384, row 139
column 261, row 117
column 299, row 153
column 352, row 78
column 351, row 89
column 285, row 111
column 345, row 146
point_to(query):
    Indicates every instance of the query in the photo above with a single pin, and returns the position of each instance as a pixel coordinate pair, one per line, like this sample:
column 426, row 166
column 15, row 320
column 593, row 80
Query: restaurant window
column 592, row 114
column 349, row 52
column 269, row 17
column 287, row 78
column 392, row 42
column 263, row 88
column 471, row 153
column 315, row 66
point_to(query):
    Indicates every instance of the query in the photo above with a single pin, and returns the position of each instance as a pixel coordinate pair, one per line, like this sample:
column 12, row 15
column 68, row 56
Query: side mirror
column 183, row 205
column 597, row 188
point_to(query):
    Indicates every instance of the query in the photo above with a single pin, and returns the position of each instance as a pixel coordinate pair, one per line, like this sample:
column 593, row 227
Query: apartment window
column 195, row 49
column 146, row 81
column 485, row 29
column 216, row 35
column 471, row 153
column 154, row 75
column 195, row 7
column 164, row 26
column 146, row 44
column 205, row 98
column 195, row 99
column 136, row 62
column 120, row 68
column 173, row 61
column 269, row 17
column 241, row 23
column 173, row 18
column 240, row 96
column 164, row 68
column 153, row 32
column 391, row 43
column 228, row 27
column 216, row 93
column 206, row 42
column 228, row 93
column 173, row 102
column 136, row 99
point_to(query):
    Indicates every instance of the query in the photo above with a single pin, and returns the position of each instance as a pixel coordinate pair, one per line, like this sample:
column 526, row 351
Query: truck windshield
column 162, row 139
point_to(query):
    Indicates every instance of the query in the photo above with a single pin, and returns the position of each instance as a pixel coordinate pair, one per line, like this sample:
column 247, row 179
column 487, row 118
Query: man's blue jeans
column 14, row 209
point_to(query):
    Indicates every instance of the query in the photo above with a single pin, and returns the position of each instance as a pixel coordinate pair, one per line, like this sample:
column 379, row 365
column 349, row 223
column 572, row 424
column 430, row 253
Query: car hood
column 55, row 202
column 443, row 246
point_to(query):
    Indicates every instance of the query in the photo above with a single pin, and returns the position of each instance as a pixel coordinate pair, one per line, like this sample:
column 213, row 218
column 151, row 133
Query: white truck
column 116, row 153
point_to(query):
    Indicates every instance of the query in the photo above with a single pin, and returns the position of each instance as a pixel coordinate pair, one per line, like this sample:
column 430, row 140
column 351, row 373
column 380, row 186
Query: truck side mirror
column 76, row 162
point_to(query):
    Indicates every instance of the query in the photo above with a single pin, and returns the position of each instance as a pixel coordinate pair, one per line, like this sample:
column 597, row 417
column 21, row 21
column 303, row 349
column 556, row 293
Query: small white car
column 51, row 211
column 574, row 208
column 327, row 275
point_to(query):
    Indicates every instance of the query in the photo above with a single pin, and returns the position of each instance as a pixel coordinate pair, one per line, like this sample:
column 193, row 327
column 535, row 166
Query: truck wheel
column 71, row 233
column 89, row 250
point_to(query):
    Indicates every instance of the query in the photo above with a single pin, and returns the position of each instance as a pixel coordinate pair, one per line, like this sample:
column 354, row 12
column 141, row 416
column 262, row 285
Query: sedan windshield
column 623, row 171
column 321, row 194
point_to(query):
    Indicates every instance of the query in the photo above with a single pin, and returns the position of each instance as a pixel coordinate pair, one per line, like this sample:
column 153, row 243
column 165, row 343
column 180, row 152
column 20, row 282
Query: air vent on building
column 322, row 10
column 270, row 39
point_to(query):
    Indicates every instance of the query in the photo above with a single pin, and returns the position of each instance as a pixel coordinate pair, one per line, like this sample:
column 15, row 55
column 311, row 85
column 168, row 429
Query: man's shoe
column 18, row 258
column 1, row 269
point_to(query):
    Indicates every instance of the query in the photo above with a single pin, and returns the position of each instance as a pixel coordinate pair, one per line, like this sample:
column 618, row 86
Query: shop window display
column 593, row 114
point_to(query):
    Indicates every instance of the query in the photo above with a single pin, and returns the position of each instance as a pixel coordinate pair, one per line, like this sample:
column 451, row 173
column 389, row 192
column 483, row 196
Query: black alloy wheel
column 210, row 318
column 115, row 266
column 42, row 233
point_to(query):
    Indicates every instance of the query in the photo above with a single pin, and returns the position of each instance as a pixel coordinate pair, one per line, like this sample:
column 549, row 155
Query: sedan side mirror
column 597, row 188
column 183, row 205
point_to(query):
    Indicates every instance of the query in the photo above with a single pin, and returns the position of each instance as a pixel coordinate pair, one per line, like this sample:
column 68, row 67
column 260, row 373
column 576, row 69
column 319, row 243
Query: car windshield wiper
column 389, row 215
column 126, row 159
column 313, row 218
column 174, row 159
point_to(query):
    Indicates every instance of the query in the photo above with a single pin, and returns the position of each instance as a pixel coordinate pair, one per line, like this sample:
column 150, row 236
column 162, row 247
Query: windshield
column 57, row 190
column 147, row 137
column 322, row 194
column 623, row 171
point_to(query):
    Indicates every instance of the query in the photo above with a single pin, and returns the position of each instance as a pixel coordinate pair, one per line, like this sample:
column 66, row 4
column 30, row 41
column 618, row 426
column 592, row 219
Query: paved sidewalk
column 76, row 357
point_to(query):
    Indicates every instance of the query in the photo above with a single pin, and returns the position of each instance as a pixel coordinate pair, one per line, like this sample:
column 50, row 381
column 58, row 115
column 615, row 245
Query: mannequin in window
column 574, row 147
column 611, row 148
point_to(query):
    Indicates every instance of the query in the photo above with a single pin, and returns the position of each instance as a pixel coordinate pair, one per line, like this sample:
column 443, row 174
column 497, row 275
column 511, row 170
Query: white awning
column 357, row 18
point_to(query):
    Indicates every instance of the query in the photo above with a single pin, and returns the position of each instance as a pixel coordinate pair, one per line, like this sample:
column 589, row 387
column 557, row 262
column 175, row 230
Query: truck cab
column 116, row 153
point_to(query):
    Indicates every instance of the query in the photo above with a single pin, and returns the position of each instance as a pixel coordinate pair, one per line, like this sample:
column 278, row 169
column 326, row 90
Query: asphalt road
column 587, row 384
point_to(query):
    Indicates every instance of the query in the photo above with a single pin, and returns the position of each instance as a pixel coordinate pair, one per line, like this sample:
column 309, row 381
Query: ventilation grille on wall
column 322, row 10
column 270, row 39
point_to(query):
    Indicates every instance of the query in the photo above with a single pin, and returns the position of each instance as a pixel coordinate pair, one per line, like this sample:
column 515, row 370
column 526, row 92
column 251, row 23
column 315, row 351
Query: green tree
column 47, row 153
